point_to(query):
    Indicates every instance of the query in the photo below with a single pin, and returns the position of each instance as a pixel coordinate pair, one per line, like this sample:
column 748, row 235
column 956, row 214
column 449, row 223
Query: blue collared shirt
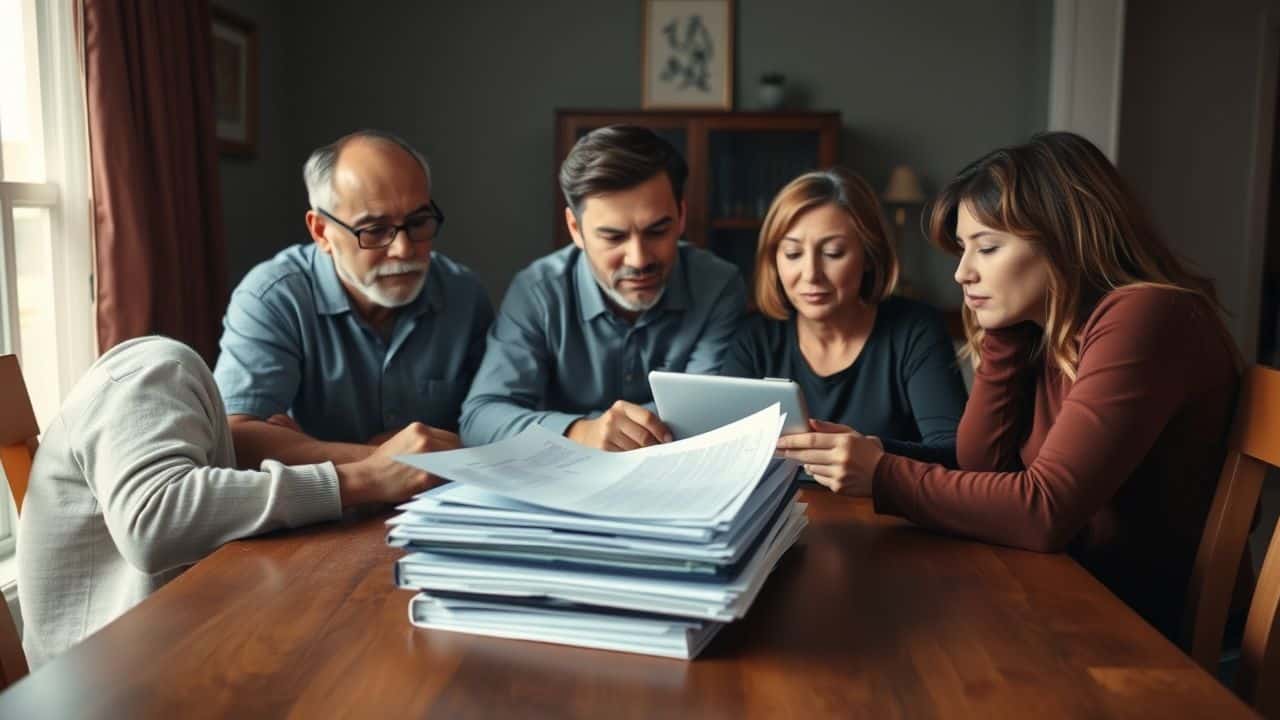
column 557, row 353
column 292, row 342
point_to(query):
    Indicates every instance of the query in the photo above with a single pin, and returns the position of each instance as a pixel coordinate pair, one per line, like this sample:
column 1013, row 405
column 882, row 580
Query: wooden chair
column 18, row 431
column 1254, row 445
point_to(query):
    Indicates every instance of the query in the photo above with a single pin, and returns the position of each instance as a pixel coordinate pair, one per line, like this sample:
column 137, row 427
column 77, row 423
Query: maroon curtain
column 161, row 258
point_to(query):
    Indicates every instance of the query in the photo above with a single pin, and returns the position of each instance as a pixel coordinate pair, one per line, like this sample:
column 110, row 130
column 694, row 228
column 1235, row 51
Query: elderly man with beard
column 330, row 347
column 580, row 329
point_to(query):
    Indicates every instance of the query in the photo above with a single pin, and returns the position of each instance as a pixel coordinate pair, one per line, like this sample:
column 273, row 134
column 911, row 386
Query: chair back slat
column 18, row 428
column 16, row 461
column 1213, row 577
column 18, row 421
column 18, row 432
column 1256, row 679
column 1256, row 430
column 1254, row 444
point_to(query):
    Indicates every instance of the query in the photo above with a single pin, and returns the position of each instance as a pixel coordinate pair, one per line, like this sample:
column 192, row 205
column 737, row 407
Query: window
column 46, row 303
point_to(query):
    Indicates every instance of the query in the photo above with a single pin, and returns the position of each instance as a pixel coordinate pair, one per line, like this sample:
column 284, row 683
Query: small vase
column 770, row 92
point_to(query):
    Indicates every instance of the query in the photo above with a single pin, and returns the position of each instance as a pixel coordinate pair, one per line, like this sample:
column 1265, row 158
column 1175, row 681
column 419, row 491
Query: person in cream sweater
column 135, row 480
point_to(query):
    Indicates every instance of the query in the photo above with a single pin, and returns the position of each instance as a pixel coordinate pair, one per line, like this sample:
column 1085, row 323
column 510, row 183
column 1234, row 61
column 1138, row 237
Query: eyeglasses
column 420, row 227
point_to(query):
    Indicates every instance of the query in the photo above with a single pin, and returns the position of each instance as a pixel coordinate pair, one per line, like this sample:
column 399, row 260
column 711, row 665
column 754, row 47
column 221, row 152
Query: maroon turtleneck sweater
column 1118, row 468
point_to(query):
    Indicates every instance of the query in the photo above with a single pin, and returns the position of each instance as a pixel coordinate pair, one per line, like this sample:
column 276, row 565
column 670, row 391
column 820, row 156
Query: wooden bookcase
column 737, row 162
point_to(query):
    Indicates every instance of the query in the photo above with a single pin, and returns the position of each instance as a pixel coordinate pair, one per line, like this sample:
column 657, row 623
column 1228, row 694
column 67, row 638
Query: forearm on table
column 490, row 420
column 258, row 440
column 1022, row 509
column 172, row 512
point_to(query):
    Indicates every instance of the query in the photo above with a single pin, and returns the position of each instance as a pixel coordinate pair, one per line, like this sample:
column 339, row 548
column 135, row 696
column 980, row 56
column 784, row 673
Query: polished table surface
column 866, row 617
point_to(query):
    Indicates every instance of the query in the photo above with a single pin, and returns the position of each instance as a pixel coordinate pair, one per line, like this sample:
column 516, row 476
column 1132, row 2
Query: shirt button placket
column 630, row 364
column 390, row 402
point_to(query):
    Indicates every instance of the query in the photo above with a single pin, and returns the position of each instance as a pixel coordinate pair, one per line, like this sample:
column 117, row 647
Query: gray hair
column 317, row 172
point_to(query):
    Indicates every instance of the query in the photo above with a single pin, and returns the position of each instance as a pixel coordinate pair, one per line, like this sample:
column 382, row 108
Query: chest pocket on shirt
column 441, row 403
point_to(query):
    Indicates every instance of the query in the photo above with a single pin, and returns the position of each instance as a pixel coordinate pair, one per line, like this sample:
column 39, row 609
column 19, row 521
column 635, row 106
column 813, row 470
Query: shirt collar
column 676, row 298
column 432, row 297
column 332, row 298
column 591, row 298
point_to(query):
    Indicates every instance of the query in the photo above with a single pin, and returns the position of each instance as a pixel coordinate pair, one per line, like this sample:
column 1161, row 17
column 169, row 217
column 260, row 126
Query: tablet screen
column 691, row 404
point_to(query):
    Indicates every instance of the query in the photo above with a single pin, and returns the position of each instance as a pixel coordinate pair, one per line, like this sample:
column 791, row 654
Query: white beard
column 368, row 285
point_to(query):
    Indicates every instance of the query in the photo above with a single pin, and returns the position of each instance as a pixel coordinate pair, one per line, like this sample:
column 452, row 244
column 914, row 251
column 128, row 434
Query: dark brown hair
column 1060, row 193
column 615, row 158
column 846, row 190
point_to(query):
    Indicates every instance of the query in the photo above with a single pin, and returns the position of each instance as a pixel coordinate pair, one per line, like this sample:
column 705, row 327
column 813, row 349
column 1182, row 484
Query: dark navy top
column 904, row 387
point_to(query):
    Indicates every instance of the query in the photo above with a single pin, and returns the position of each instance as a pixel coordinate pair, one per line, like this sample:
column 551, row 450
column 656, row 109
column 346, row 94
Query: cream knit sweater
column 134, row 481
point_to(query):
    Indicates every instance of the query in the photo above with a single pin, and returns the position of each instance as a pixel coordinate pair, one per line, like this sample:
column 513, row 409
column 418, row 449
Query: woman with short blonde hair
column 1104, row 383
column 852, row 194
column 867, row 361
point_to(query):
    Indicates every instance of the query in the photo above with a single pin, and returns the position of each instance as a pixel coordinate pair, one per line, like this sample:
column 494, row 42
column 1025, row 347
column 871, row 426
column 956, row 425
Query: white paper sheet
column 425, row 528
column 667, row 637
column 465, row 503
column 707, row 477
column 723, row 601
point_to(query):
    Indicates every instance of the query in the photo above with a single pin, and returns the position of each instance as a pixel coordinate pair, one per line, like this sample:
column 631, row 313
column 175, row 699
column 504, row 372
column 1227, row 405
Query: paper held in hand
column 703, row 478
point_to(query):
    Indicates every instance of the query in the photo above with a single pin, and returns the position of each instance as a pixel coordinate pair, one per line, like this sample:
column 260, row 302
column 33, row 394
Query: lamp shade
column 904, row 187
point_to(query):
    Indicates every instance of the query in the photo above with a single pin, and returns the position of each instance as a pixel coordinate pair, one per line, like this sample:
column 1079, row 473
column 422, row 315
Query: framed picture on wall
column 688, row 54
column 235, row 83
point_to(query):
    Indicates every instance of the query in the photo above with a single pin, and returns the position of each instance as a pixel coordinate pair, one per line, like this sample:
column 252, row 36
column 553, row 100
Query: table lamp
column 903, row 191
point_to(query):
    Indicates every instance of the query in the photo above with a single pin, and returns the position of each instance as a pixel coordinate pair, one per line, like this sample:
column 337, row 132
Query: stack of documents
column 648, row 551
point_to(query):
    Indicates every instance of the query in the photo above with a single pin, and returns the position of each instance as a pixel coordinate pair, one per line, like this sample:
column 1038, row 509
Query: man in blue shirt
column 330, row 347
column 580, row 329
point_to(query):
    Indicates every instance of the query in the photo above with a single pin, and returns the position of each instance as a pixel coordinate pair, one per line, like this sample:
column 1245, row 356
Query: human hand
column 624, row 426
column 837, row 456
column 380, row 479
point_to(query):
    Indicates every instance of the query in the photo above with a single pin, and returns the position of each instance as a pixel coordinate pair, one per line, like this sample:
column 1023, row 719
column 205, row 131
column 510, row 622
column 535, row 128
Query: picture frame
column 235, row 83
column 687, row 55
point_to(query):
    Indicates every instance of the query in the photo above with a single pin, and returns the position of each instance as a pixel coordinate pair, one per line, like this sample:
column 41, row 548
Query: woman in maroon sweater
column 1104, row 384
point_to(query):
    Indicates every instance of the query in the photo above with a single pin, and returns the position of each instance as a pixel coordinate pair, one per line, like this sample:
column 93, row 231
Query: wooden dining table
column 867, row 616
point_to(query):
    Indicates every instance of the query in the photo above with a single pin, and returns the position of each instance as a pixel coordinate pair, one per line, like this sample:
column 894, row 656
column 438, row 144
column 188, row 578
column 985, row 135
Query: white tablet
column 690, row 404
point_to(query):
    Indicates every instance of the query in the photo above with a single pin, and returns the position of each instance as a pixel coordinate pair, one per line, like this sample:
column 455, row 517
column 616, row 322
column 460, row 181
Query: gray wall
column 474, row 85
column 1190, row 124
column 260, row 199
column 930, row 83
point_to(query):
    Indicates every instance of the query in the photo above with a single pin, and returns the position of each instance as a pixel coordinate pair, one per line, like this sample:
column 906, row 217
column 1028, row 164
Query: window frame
column 65, row 195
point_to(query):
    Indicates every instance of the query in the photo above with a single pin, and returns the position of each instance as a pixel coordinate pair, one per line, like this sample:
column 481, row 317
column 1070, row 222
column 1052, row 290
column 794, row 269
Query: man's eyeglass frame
column 433, row 211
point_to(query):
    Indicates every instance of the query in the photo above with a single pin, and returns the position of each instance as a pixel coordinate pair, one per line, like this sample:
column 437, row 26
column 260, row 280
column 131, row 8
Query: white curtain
column 67, row 153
